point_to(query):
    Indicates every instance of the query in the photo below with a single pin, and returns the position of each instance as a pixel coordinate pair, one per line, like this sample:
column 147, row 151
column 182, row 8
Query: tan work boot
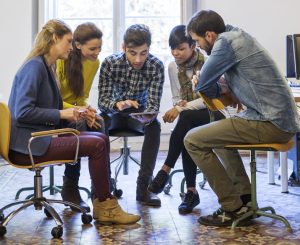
column 110, row 212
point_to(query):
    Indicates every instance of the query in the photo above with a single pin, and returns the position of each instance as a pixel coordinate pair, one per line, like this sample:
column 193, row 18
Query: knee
column 184, row 119
column 153, row 128
column 192, row 140
column 100, row 146
column 104, row 137
column 184, row 116
column 100, row 135
column 187, row 141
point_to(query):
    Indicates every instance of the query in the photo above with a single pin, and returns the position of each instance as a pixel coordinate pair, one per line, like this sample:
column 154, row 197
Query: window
column 113, row 17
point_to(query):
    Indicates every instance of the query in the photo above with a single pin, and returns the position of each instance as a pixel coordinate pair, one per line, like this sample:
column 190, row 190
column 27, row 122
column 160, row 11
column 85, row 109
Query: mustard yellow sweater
column 89, row 69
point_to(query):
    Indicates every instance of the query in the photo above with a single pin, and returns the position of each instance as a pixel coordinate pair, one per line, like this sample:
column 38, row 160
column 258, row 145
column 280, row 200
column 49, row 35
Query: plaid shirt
column 119, row 81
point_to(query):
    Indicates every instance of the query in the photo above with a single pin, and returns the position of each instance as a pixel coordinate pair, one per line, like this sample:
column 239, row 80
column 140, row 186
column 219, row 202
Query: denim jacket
column 253, row 77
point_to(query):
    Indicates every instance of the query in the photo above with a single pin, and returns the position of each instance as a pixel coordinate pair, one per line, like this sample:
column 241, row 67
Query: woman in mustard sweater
column 76, row 75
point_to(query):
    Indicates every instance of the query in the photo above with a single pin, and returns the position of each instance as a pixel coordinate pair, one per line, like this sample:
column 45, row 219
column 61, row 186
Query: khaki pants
column 229, row 180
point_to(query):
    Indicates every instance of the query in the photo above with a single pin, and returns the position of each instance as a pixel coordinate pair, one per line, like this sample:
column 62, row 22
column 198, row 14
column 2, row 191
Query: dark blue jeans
column 187, row 120
column 151, row 142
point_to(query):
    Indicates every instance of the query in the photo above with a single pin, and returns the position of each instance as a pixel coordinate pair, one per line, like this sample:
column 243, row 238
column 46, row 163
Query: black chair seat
column 124, row 133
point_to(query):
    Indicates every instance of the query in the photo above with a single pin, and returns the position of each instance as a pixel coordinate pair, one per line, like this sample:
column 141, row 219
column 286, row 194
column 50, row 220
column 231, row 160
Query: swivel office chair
column 52, row 187
column 38, row 200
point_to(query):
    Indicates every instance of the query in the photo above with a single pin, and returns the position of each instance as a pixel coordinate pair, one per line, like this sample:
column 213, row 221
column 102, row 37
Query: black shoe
column 246, row 199
column 158, row 183
column 70, row 193
column 190, row 201
column 148, row 198
column 224, row 218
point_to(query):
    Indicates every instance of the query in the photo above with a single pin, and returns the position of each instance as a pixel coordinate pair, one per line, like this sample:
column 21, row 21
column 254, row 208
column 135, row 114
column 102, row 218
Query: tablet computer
column 143, row 113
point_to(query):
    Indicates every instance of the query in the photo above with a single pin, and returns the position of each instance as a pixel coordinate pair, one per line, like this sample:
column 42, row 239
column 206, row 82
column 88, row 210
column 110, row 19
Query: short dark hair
column 178, row 36
column 206, row 20
column 137, row 35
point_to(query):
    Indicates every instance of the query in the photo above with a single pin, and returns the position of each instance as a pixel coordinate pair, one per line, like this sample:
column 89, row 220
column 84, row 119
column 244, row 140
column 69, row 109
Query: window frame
column 47, row 11
column 188, row 7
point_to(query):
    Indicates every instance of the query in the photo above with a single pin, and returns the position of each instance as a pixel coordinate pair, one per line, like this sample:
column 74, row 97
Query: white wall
column 269, row 21
column 16, row 39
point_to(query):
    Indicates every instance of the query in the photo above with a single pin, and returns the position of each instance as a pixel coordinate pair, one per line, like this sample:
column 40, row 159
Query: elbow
column 23, row 117
column 210, row 93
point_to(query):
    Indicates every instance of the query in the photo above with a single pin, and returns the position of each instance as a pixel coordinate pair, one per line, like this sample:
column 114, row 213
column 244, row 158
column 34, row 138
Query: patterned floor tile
column 162, row 225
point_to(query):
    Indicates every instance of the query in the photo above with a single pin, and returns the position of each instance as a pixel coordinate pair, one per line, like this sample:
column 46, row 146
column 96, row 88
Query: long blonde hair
column 44, row 39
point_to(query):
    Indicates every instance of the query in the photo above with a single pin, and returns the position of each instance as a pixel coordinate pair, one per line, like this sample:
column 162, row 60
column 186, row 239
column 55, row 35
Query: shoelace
column 188, row 197
column 160, row 178
column 222, row 215
column 220, row 212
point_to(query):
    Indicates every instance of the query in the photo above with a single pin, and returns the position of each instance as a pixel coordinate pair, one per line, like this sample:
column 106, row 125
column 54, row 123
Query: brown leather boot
column 110, row 212
column 70, row 193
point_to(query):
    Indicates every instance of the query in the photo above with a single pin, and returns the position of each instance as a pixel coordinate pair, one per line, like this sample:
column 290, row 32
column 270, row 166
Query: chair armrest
column 55, row 132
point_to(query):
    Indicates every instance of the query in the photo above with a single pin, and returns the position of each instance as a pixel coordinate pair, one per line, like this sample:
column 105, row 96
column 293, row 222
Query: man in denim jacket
column 254, row 79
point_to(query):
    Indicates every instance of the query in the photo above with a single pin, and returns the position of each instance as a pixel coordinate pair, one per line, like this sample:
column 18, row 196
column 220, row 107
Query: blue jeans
column 151, row 142
column 187, row 120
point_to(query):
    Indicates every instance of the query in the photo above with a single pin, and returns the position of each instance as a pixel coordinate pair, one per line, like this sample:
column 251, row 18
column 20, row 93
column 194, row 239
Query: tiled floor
column 162, row 225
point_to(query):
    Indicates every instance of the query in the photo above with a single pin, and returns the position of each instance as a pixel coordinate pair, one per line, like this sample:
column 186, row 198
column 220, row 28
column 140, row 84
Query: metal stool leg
column 169, row 185
column 255, row 210
column 123, row 162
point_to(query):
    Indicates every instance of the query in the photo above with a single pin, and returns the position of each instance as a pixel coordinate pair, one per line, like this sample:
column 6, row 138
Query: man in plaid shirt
column 129, row 82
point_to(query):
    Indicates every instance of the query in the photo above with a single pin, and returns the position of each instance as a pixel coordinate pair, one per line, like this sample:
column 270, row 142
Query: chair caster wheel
column 118, row 193
column 47, row 213
column 167, row 189
column 2, row 230
column 57, row 232
column 1, row 217
column 86, row 218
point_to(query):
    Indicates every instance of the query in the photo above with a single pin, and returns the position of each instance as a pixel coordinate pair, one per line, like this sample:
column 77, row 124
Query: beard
column 208, row 48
